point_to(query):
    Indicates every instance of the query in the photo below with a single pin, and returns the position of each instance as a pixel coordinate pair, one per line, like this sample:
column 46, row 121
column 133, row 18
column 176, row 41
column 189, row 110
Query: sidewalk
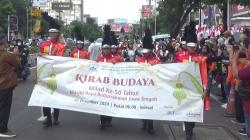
column 217, row 113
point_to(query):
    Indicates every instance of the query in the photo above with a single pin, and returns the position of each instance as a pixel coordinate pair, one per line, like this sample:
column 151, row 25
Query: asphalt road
column 82, row 126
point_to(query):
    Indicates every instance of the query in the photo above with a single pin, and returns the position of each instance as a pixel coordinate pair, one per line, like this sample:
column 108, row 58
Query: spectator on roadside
column 244, row 76
column 9, row 63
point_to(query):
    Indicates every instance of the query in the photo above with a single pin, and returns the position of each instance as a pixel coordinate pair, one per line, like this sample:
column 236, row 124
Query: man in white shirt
column 94, row 51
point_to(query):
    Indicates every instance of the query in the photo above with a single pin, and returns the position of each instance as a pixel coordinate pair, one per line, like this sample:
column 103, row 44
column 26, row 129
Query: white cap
column 183, row 42
column 192, row 44
column 105, row 46
column 144, row 50
column 53, row 31
column 79, row 42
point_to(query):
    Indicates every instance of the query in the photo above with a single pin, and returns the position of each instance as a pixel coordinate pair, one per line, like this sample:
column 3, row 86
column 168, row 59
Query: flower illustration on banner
column 180, row 93
column 52, row 83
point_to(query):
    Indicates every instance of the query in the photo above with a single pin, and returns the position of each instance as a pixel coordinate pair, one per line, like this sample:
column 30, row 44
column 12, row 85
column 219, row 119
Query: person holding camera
column 9, row 63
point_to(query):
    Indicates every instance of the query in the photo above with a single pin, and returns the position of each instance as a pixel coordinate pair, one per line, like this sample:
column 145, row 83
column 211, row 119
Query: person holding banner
column 55, row 47
column 105, row 121
column 194, row 56
column 79, row 51
column 191, row 55
column 148, row 57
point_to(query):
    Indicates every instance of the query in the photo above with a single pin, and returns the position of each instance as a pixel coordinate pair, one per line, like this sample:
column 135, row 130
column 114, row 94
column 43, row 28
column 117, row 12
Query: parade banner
column 128, row 90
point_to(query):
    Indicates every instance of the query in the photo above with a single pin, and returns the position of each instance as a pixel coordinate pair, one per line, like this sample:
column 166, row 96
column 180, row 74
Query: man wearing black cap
column 9, row 62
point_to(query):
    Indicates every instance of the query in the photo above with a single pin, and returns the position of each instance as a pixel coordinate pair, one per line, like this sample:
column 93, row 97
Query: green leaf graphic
column 196, row 83
column 40, row 70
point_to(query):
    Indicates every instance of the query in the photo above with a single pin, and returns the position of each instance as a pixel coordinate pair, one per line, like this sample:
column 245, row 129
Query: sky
column 108, row 9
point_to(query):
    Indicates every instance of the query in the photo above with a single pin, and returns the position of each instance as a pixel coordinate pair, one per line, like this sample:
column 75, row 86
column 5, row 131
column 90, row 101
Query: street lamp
column 229, row 14
column 155, row 14
column 27, row 18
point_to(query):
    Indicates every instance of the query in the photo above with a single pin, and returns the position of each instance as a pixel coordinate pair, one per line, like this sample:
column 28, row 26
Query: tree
column 44, row 27
column 50, row 22
column 6, row 8
column 173, row 14
column 20, row 7
column 77, row 29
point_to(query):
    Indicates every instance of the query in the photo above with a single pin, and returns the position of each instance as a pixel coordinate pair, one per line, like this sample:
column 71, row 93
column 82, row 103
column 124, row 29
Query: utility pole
column 150, row 4
column 74, row 11
column 81, row 10
column 229, row 10
column 27, row 14
column 155, row 16
column 200, row 13
column 27, row 19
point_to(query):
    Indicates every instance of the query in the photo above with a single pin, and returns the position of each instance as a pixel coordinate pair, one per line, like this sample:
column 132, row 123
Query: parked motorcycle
column 23, row 71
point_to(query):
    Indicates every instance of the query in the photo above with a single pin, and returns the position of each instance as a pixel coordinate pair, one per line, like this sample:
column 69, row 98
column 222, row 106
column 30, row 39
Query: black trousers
column 189, row 126
column 223, row 92
column 148, row 124
column 105, row 119
column 47, row 113
column 5, row 106
column 239, row 113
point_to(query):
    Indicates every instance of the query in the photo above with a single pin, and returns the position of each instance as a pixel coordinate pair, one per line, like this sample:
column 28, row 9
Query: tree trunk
column 175, row 31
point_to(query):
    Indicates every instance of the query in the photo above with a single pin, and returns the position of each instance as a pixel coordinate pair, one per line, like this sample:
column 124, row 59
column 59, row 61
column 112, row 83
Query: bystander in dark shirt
column 244, row 75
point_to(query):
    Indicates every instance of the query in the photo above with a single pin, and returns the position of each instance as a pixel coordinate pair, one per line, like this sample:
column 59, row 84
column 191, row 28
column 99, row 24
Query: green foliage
column 89, row 29
column 6, row 8
column 173, row 14
column 34, row 49
column 20, row 7
column 44, row 26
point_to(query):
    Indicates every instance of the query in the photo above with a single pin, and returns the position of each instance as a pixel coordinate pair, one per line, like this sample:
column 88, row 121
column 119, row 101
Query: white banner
column 128, row 90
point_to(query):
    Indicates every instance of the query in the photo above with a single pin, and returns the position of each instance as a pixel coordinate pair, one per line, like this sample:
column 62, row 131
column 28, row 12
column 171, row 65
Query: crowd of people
column 222, row 59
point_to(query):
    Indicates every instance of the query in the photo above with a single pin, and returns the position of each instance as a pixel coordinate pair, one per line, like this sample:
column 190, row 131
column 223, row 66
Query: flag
column 209, row 15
